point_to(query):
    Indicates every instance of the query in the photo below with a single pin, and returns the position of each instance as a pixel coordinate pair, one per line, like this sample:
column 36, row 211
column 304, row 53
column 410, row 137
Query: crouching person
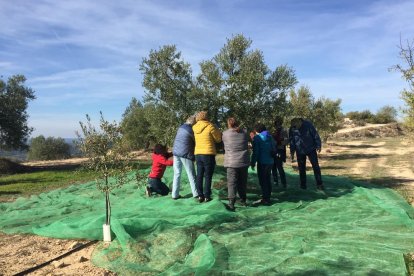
column 236, row 160
column 159, row 163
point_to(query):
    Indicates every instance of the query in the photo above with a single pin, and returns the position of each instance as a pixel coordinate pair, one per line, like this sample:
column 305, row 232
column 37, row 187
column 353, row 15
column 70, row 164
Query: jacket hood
column 264, row 135
column 200, row 126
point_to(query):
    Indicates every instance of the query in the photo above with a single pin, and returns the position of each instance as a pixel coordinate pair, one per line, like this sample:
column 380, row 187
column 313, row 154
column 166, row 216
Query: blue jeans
column 191, row 174
column 264, row 174
column 313, row 158
column 205, row 170
column 157, row 186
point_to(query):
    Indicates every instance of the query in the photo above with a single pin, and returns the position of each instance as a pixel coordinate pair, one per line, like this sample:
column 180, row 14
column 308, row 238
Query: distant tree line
column 384, row 115
column 49, row 148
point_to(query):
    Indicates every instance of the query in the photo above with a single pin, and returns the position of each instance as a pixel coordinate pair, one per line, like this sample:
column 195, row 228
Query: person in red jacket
column 159, row 163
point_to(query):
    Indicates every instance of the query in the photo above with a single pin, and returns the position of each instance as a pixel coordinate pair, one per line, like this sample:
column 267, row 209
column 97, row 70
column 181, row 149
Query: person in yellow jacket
column 206, row 136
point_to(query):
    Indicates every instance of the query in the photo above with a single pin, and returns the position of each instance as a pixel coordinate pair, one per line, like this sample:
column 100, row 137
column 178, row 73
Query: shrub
column 49, row 148
column 9, row 167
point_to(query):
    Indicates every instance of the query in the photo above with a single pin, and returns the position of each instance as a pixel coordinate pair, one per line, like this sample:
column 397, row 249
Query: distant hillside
column 370, row 131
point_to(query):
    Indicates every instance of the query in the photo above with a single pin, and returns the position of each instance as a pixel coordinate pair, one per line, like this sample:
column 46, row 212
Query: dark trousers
column 278, row 167
column 157, row 186
column 237, row 182
column 205, row 170
column 264, row 174
column 313, row 158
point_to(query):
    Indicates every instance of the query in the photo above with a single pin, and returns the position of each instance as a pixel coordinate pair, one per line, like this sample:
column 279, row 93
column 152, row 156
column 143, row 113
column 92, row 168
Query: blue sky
column 82, row 57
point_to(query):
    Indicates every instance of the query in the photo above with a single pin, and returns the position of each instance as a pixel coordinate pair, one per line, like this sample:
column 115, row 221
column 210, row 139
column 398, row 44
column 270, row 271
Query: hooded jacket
column 263, row 147
column 184, row 142
column 159, row 163
column 305, row 139
column 206, row 136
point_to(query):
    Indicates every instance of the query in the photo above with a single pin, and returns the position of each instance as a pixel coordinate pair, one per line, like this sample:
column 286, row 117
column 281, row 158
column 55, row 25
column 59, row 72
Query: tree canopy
column 407, row 71
column 49, row 148
column 234, row 82
column 14, row 99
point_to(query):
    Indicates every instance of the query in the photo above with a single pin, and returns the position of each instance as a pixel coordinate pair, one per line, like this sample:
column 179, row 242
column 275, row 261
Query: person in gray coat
column 183, row 152
column 236, row 160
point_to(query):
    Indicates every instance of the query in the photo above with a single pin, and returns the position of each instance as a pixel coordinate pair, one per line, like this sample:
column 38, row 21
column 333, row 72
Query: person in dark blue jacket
column 183, row 152
column 305, row 141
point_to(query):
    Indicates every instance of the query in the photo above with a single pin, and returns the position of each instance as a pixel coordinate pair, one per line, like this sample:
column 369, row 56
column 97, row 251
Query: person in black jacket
column 281, row 138
column 305, row 141
column 183, row 152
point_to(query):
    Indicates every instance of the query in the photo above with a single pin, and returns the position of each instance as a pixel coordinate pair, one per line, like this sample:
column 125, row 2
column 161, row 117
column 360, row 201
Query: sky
column 82, row 57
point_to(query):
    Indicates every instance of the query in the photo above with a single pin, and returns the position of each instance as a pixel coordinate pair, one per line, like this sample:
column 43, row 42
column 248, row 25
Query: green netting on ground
column 350, row 229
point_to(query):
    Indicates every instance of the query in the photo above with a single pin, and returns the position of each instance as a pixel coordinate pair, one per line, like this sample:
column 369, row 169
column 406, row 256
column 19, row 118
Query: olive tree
column 14, row 99
column 407, row 71
column 106, row 155
column 49, row 148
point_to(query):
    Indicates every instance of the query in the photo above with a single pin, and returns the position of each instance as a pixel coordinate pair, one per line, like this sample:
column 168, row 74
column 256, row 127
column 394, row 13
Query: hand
column 318, row 150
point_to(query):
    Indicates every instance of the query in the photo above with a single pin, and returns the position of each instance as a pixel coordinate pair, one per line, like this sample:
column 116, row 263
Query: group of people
column 197, row 138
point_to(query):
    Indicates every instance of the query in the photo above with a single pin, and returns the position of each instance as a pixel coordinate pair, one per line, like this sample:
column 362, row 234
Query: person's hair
column 201, row 116
column 259, row 127
column 278, row 120
column 232, row 123
column 191, row 120
column 294, row 122
column 160, row 149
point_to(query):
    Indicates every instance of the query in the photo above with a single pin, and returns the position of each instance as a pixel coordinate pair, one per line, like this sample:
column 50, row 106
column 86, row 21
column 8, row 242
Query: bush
column 385, row 115
column 363, row 116
column 50, row 148
column 9, row 167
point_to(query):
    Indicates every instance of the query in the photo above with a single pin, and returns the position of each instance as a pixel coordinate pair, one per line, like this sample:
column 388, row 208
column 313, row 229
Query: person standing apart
column 264, row 148
column 236, row 160
column 281, row 138
column 183, row 152
column 305, row 141
column 206, row 136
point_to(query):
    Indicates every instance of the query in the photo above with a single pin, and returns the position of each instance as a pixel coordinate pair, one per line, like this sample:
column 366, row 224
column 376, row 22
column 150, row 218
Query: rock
column 82, row 259
column 58, row 264
column 74, row 245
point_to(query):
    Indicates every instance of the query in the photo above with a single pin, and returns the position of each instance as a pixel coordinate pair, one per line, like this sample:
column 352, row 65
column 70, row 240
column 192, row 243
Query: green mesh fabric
column 350, row 229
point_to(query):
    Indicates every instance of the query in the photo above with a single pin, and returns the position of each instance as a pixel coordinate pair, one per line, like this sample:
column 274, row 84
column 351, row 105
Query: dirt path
column 21, row 252
column 376, row 156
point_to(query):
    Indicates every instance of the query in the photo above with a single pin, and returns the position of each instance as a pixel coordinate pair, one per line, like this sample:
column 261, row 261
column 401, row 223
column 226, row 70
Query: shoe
column 266, row 202
column 207, row 199
column 243, row 202
column 320, row 187
column 262, row 202
column 200, row 199
column 148, row 191
column 178, row 197
column 230, row 206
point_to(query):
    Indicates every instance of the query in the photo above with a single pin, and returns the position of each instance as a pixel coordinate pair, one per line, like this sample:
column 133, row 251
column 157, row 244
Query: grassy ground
column 26, row 184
